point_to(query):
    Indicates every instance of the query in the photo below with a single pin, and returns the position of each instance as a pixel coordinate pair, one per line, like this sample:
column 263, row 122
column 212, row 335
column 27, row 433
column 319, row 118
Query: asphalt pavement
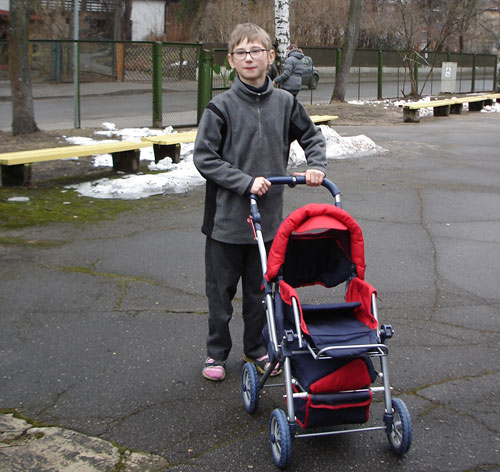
column 102, row 332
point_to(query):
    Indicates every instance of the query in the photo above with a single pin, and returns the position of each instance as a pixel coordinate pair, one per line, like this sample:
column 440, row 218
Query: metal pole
column 379, row 74
column 157, row 52
column 495, row 74
column 473, row 80
column 204, row 81
column 76, row 83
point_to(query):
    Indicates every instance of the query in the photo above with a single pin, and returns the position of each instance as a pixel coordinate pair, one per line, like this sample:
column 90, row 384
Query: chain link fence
column 117, row 81
column 116, row 75
column 475, row 72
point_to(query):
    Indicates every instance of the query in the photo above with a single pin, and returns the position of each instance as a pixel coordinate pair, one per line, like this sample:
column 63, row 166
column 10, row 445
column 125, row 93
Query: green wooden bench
column 447, row 106
column 16, row 166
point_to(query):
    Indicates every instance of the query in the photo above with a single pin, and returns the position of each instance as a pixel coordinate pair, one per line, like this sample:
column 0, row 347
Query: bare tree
column 117, row 20
column 121, row 20
column 23, row 117
column 350, row 43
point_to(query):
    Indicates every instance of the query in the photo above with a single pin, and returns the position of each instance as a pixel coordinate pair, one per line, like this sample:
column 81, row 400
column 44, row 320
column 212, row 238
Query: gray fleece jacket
column 242, row 135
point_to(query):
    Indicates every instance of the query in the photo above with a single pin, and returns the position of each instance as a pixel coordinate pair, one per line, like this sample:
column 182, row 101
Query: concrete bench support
column 441, row 111
column 411, row 115
column 161, row 151
column 16, row 175
column 476, row 106
column 126, row 161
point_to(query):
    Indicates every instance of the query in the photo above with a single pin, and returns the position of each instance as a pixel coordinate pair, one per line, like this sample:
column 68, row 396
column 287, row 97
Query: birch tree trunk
column 23, row 116
column 350, row 43
column 245, row 14
column 281, row 30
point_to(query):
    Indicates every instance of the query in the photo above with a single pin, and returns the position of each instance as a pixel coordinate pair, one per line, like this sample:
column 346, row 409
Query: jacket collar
column 248, row 95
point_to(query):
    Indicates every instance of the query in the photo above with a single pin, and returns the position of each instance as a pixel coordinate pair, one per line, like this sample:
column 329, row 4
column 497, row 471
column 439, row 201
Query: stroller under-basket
column 326, row 350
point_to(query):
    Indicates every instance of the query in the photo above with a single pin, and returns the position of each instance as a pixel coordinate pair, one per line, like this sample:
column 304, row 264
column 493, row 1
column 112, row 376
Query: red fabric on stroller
column 321, row 244
column 310, row 218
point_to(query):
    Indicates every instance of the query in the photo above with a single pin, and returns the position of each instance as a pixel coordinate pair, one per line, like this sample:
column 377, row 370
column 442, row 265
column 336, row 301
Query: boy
column 243, row 136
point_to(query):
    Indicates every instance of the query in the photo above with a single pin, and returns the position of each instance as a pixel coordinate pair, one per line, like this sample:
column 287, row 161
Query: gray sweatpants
column 225, row 264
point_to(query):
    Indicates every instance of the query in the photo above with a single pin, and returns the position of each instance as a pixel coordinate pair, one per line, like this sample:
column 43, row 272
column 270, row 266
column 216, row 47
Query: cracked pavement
column 102, row 338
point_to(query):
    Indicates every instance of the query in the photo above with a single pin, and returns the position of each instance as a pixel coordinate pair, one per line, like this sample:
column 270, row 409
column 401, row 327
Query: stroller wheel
column 401, row 435
column 250, row 387
column 280, row 437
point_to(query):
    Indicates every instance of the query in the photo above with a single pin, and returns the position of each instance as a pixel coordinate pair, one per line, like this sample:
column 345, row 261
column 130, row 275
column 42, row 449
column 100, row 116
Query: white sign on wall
column 448, row 77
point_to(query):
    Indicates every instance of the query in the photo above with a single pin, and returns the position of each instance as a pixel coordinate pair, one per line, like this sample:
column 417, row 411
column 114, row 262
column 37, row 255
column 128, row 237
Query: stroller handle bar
column 293, row 180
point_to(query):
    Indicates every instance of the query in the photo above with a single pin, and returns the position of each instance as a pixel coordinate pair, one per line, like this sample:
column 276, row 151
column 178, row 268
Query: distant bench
column 16, row 166
column 445, row 106
column 323, row 119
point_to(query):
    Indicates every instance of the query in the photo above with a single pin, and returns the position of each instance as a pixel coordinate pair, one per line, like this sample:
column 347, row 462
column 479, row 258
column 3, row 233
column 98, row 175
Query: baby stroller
column 326, row 350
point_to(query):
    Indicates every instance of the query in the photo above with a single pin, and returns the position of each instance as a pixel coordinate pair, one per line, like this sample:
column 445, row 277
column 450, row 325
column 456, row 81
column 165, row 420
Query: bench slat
column 66, row 152
column 173, row 138
column 323, row 118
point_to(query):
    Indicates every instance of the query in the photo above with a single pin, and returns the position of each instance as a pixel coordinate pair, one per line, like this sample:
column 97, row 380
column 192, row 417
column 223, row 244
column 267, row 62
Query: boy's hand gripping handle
column 292, row 181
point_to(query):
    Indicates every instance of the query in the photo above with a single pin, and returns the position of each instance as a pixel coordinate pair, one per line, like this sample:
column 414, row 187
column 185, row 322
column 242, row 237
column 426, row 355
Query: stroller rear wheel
column 401, row 435
column 281, row 439
column 250, row 387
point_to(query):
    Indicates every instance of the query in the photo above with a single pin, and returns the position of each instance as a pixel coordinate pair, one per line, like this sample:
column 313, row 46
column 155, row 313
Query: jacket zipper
column 258, row 116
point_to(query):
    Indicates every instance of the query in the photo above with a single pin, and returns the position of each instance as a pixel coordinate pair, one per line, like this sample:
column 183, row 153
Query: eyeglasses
column 255, row 53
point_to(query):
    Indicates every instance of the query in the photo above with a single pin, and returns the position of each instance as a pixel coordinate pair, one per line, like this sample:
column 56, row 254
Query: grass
column 52, row 202
column 55, row 205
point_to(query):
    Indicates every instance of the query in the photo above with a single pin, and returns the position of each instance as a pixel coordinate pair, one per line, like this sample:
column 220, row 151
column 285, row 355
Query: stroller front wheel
column 250, row 387
column 280, row 437
column 402, row 432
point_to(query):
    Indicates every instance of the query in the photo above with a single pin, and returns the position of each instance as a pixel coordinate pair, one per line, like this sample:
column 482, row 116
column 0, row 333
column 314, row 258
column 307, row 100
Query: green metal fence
column 149, row 83
column 161, row 84
column 389, row 69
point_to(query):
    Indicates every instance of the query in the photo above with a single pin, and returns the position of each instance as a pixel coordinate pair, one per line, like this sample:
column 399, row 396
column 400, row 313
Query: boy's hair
column 250, row 32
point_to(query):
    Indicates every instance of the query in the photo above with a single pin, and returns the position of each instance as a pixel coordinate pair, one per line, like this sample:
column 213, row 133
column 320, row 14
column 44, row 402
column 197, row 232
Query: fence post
column 473, row 80
column 57, row 62
column 495, row 74
column 205, row 64
column 379, row 75
column 76, row 86
column 157, row 85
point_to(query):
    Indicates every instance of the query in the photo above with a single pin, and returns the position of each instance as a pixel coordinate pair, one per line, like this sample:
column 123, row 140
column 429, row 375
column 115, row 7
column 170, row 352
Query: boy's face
column 251, row 69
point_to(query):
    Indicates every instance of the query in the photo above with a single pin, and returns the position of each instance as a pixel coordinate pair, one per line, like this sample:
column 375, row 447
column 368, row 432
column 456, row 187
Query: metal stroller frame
column 283, row 427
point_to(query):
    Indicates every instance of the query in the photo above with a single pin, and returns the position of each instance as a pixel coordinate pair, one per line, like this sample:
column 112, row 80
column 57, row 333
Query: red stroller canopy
column 315, row 225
